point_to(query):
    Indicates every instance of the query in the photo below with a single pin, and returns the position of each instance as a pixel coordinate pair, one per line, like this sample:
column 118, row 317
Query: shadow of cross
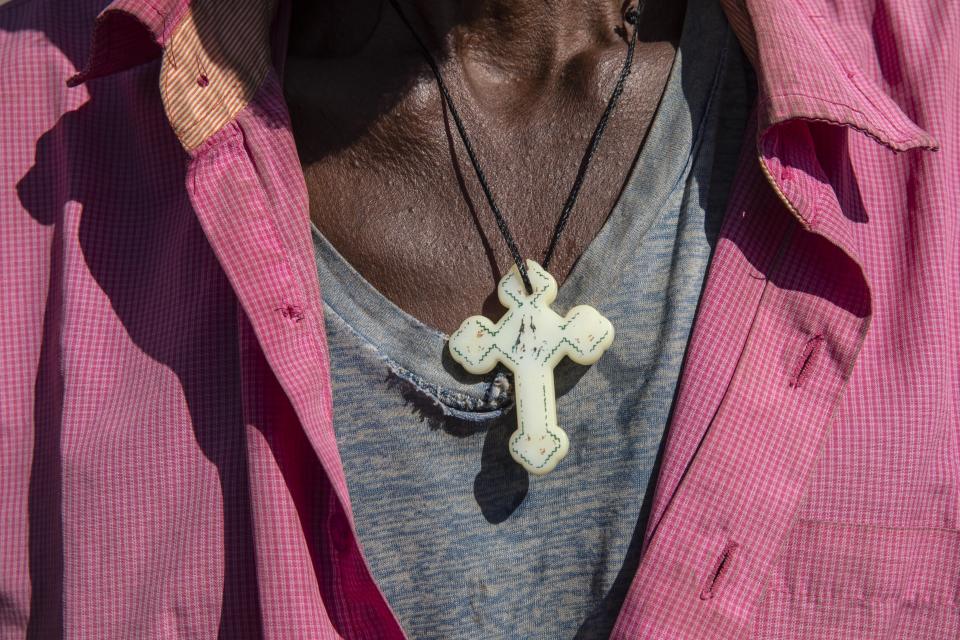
column 530, row 340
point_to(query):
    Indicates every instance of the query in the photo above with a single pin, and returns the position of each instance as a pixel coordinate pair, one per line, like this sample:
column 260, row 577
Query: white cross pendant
column 530, row 340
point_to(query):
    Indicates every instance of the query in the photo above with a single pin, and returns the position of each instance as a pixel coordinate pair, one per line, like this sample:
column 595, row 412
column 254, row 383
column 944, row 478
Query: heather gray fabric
column 463, row 543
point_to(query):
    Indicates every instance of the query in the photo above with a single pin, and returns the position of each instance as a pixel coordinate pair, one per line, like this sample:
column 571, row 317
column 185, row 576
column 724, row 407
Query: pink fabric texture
column 168, row 467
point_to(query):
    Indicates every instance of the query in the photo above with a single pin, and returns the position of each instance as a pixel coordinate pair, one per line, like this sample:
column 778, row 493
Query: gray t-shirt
column 463, row 543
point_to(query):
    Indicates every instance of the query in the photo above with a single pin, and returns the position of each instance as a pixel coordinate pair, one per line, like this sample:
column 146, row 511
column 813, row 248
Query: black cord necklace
column 531, row 338
column 632, row 17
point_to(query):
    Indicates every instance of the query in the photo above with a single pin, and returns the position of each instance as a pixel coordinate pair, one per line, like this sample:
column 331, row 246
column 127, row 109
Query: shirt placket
column 737, row 462
column 249, row 195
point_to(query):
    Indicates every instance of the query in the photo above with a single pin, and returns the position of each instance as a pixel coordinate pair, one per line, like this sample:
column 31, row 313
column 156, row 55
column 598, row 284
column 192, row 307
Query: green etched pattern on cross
column 530, row 340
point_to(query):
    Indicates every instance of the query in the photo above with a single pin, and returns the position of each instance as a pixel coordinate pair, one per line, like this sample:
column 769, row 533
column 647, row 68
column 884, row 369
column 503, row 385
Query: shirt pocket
column 846, row 581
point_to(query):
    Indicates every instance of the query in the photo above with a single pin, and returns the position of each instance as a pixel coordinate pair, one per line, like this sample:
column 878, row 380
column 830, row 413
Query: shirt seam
column 856, row 125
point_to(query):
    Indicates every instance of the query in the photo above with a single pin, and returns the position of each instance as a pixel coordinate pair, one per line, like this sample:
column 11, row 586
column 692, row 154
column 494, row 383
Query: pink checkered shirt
column 168, row 468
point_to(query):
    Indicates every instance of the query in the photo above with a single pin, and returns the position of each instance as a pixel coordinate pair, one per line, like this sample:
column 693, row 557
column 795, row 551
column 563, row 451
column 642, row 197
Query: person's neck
column 512, row 38
column 522, row 38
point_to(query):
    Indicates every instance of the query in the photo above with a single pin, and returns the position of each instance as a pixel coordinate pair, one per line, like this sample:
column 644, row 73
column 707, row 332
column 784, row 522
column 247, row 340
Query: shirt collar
column 217, row 52
column 805, row 71
column 128, row 33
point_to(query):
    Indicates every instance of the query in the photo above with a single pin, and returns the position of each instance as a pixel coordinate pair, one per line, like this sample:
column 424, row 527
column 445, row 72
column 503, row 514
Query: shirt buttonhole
column 801, row 370
column 721, row 568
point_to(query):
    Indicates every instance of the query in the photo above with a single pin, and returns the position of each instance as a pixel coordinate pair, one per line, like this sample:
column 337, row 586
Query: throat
column 508, row 38
column 518, row 39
